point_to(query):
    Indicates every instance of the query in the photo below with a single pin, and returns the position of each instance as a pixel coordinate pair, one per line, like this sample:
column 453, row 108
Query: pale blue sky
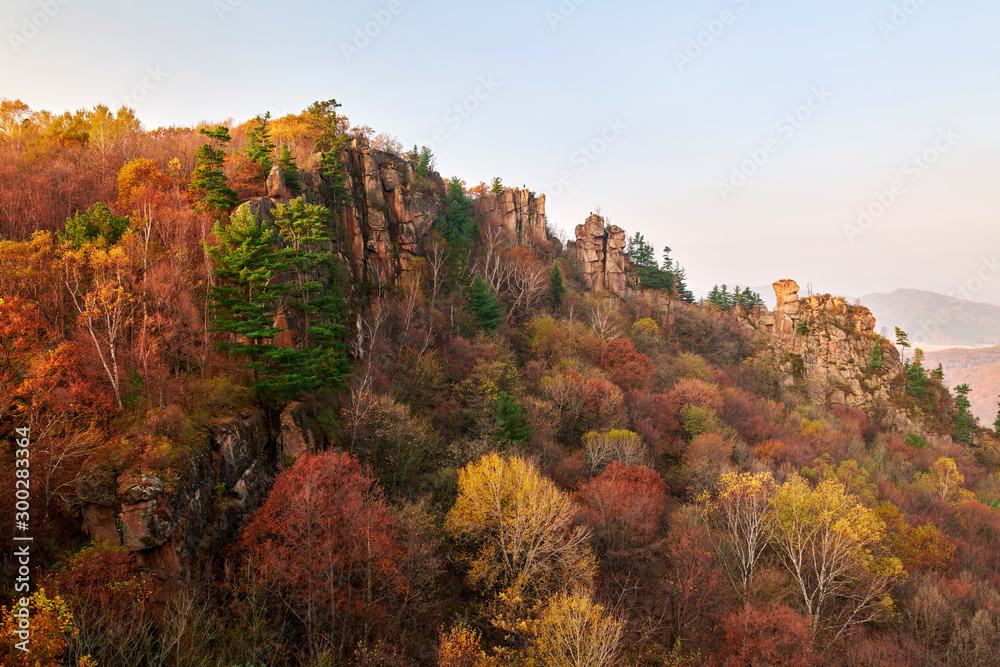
column 677, row 130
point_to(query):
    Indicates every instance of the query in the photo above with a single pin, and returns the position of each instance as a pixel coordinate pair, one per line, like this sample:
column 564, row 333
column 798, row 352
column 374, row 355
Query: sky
column 850, row 145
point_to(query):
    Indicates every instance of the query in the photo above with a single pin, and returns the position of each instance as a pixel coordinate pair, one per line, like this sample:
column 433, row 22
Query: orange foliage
column 625, row 505
column 775, row 636
column 327, row 535
column 627, row 367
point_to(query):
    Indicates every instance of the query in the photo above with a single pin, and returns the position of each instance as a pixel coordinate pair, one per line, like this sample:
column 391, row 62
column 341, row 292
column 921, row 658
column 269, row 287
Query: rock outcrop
column 169, row 519
column 519, row 212
column 825, row 348
column 601, row 253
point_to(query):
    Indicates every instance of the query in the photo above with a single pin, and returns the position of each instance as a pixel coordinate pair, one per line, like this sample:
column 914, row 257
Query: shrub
column 624, row 505
column 616, row 445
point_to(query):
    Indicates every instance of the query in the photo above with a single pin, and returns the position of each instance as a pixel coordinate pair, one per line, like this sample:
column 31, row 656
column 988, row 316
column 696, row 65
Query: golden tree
column 517, row 530
column 738, row 515
column 834, row 549
column 574, row 631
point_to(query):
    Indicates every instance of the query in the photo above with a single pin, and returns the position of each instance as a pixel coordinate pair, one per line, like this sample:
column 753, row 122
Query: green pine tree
column 484, row 304
column 496, row 186
column 209, row 182
column 424, row 162
column 512, row 426
column 97, row 225
column 459, row 224
column 245, row 298
column 314, row 293
column 289, row 170
column 260, row 148
column 323, row 122
column 965, row 422
column 558, row 289
column 996, row 422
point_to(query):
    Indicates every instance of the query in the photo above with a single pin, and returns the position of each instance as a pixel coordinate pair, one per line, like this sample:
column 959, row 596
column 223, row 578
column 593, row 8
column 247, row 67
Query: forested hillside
column 294, row 399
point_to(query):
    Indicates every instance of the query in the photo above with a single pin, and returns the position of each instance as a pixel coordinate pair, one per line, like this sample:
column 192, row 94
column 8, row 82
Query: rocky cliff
column 601, row 253
column 169, row 519
column 828, row 349
column 519, row 212
column 389, row 214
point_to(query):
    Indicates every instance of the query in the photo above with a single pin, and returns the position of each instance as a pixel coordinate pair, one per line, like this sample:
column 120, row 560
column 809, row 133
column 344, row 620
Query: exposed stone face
column 167, row 524
column 601, row 253
column 521, row 213
column 824, row 347
column 277, row 188
column 391, row 212
column 297, row 438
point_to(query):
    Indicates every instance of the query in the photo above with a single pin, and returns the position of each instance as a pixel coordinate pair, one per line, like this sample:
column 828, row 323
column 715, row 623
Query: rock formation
column 601, row 253
column 825, row 348
column 521, row 213
column 168, row 519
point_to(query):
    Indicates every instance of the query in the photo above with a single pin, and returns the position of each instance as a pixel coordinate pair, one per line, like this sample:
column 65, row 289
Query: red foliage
column 624, row 505
column 602, row 404
column 627, row 367
column 755, row 419
column 695, row 392
column 774, row 636
column 652, row 416
column 324, row 533
column 692, row 581
column 103, row 575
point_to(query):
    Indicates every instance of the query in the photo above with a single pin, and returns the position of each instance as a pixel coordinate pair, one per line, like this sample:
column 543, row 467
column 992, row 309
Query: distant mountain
column 980, row 369
column 934, row 320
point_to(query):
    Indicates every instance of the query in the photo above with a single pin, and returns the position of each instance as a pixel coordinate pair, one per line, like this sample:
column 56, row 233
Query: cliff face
column 168, row 520
column 519, row 212
column 386, row 222
column 601, row 253
column 825, row 348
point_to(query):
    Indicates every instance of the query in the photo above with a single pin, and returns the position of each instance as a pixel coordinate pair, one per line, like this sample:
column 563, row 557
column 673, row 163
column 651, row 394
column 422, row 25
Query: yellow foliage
column 517, row 528
column 50, row 622
column 574, row 631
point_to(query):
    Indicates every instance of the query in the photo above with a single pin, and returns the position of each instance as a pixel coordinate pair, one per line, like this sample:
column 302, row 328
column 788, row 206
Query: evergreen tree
column 996, row 422
column 643, row 257
column 682, row 289
column 209, row 182
column 903, row 341
column 938, row 374
column 497, row 186
column 459, row 224
column 512, row 425
column 97, row 225
column 323, row 122
column 484, row 304
column 875, row 361
column 916, row 375
column 965, row 422
column 315, row 292
column 558, row 289
column 424, row 162
column 246, row 297
column 260, row 148
column 289, row 171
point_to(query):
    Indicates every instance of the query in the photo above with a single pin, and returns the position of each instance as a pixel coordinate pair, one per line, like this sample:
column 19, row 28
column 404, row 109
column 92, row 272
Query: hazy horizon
column 825, row 107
